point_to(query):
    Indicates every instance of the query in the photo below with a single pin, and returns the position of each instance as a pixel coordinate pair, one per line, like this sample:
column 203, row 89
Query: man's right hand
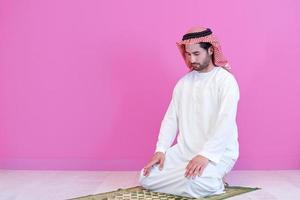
column 158, row 158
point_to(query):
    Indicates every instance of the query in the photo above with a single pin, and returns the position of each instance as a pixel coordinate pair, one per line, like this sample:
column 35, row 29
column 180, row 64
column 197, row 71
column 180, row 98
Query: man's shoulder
column 227, row 81
column 225, row 76
column 184, row 78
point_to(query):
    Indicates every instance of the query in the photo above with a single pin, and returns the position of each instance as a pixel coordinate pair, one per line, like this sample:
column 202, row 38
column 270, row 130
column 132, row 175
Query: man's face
column 197, row 57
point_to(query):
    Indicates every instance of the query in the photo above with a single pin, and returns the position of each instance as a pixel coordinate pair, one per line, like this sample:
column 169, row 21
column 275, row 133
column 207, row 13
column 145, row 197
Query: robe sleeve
column 169, row 126
column 225, row 123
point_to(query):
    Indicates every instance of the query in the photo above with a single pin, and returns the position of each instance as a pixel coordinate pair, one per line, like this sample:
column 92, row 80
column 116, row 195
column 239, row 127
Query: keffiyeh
column 201, row 34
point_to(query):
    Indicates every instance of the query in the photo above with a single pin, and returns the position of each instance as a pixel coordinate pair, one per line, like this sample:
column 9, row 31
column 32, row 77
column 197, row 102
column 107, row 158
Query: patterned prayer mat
column 139, row 193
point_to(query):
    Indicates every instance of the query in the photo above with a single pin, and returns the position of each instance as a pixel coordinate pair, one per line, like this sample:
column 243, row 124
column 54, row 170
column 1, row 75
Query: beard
column 201, row 66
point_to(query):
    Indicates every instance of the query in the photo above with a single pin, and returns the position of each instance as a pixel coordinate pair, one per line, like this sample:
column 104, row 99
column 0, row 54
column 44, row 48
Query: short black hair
column 205, row 45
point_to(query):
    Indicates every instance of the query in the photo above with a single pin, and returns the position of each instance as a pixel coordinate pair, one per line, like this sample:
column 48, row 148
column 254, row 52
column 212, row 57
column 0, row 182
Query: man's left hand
column 196, row 166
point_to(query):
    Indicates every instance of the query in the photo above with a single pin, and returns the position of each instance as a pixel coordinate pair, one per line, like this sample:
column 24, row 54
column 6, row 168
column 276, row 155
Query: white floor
column 58, row 185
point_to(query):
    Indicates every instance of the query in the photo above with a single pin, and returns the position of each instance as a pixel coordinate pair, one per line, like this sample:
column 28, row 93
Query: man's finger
column 146, row 171
column 151, row 163
column 186, row 170
column 161, row 163
column 188, row 166
column 190, row 171
column 197, row 170
column 201, row 170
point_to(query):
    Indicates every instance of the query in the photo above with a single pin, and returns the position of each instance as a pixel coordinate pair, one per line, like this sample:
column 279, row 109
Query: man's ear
column 210, row 50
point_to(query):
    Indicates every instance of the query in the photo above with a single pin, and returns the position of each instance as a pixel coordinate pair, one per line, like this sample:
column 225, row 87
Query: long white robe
column 203, row 112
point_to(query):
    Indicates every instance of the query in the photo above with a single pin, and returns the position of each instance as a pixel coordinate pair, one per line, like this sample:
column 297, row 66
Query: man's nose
column 192, row 59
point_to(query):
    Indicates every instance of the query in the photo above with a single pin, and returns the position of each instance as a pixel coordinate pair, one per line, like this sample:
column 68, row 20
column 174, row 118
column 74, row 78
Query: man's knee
column 141, row 177
column 205, row 186
column 153, row 180
column 144, row 180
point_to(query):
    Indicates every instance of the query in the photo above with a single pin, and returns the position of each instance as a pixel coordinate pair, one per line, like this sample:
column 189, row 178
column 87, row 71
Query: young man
column 203, row 110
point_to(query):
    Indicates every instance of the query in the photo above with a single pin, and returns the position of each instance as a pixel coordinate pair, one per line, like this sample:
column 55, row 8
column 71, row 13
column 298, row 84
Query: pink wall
column 85, row 84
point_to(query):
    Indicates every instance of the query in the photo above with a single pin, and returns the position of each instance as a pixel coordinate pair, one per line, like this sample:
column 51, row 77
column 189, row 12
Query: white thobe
column 202, row 111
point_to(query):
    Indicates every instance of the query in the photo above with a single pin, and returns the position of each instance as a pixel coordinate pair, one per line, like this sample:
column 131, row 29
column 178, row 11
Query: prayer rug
column 139, row 193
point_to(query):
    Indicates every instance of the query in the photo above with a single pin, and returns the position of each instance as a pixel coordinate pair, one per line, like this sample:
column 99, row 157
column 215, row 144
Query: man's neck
column 207, row 69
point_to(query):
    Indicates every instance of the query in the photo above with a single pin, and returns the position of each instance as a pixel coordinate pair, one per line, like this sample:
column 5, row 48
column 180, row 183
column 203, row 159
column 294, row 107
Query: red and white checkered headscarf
column 200, row 34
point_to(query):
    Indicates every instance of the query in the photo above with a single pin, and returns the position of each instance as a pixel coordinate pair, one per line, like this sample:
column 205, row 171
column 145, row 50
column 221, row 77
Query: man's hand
column 158, row 158
column 196, row 166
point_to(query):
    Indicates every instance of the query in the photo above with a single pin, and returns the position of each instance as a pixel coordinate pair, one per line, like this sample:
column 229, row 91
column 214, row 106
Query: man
column 203, row 109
